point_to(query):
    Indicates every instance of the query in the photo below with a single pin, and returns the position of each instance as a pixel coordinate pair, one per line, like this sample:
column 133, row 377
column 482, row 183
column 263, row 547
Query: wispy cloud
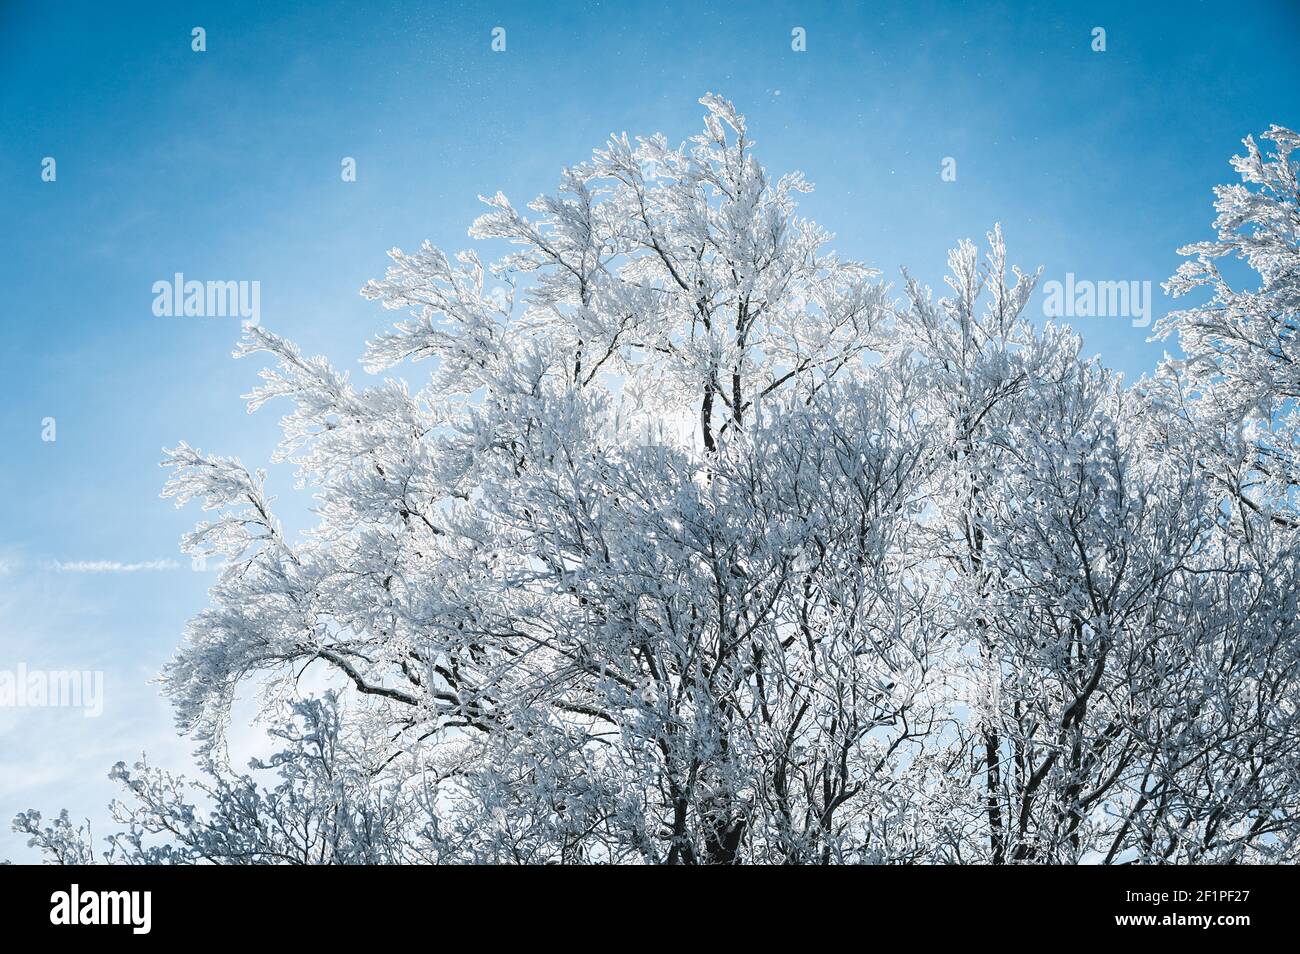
column 110, row 566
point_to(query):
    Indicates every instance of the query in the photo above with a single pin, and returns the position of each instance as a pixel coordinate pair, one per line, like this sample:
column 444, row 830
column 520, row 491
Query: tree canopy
column 699, row 544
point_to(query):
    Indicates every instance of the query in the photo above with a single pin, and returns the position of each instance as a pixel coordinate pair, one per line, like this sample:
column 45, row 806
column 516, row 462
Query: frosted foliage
column 699, row 544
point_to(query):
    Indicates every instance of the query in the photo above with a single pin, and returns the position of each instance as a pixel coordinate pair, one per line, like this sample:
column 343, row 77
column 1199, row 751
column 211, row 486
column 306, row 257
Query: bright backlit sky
column 226, row 165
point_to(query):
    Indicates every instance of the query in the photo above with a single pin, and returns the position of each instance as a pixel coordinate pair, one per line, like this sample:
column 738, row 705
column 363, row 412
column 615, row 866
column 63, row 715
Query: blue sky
column 226, row 165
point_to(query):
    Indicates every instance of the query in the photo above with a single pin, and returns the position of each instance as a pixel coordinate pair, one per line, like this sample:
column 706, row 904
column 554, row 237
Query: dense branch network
column 698, row 545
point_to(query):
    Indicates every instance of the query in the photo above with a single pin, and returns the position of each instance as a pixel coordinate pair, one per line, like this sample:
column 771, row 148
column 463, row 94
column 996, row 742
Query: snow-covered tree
column 326, row 809
column 698, row 546
column 1238, row 386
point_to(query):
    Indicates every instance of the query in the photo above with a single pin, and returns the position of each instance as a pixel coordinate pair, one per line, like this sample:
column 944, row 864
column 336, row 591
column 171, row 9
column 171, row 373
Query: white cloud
column 110, row 566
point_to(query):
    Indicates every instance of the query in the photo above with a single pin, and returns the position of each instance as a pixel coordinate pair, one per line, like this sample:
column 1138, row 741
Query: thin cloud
column 111, row 566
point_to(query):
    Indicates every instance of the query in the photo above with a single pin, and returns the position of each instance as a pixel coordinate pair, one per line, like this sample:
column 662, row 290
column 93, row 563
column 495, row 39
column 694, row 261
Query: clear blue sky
column 225, row 165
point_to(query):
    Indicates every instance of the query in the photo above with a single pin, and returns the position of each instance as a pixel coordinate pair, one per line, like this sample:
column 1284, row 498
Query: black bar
column 333, row 905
